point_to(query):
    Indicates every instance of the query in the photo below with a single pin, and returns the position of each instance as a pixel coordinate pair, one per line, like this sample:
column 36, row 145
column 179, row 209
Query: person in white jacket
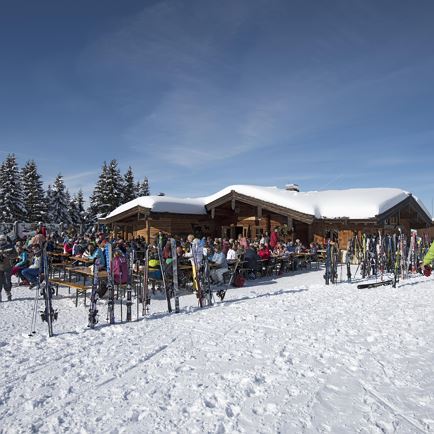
column 231, row 256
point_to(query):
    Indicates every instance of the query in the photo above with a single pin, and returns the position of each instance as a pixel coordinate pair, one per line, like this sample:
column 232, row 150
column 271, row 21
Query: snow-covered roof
column 354, row 203
column 170, row 204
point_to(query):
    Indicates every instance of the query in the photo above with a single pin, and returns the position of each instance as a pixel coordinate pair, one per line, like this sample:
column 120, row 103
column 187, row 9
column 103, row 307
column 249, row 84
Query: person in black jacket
column 7, row 256
column 252, row 261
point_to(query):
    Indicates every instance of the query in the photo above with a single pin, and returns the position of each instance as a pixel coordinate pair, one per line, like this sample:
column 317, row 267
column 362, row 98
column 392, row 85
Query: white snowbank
column 289, row 355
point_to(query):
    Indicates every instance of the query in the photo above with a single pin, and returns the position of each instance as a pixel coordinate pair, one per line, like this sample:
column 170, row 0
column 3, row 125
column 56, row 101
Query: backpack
column 239, row 281
column 120, row 270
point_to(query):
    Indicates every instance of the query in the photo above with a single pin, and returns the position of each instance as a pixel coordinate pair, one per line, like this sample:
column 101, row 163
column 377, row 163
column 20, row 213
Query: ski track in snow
column 287, row 355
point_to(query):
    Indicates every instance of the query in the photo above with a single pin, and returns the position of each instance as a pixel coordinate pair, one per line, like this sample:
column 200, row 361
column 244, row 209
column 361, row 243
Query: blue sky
column 199, row 94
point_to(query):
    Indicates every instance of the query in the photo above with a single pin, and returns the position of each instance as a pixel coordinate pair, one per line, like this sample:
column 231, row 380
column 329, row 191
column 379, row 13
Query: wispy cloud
column 80, row 176
column 255, row 84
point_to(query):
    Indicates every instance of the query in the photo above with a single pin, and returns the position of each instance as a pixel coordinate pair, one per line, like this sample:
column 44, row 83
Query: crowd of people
column 23, row 259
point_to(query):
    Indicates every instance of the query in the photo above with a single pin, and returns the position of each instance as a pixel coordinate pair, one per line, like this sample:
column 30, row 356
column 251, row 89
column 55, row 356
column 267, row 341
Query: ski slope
column 288, row 355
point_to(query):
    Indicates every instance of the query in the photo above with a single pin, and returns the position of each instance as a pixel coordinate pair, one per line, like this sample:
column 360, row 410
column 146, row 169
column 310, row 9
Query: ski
column 327, row 273
column 396, row 267
column 129, row 301
column 110, row 286
column 48, row 314
column 222, row 292
column 197, row 273
column 93, row 311
column 207, row 280
column 175, row 274
column 146, row 301
column 163, row 277
column 349, row 257
column 375, row 284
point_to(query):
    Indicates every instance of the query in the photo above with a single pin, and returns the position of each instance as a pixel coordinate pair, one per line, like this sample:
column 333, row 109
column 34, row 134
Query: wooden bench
column 79, row 287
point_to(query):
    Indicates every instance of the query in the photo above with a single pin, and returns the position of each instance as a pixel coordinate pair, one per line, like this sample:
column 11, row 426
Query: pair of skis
column 48, row 313
column 175, row 286
column 145, row 299
column 93, row 309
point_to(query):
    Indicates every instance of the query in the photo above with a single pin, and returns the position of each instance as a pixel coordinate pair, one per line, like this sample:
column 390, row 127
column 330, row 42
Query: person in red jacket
column 167, row 250
column 67, row 247
column 274, row 238
column 43, row 229
column 264, row 252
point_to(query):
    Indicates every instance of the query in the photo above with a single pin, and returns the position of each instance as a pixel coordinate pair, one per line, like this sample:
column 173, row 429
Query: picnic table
column 59, row 255
column 82, row 259
column 80, row 287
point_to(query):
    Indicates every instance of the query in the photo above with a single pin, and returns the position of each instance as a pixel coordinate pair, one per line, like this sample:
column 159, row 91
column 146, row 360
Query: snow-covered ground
column 287, row 355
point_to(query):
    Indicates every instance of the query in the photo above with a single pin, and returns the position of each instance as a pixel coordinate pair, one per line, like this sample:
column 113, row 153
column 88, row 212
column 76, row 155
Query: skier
column 427, row 261
column 7, row 255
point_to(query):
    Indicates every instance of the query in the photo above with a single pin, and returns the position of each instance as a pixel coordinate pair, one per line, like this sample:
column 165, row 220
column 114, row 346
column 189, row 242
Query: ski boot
column 93, row 318
column 221, row 294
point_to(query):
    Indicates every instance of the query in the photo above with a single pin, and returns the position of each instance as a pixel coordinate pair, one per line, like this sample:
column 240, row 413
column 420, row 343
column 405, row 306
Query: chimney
column 292, row 187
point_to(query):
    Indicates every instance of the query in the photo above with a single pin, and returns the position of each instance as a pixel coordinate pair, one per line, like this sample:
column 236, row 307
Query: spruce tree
column 98, row 205
column 73, row 211
column 114, row 187
column 12, row 206
column 129, row 186
column 59, row 202
column 76, row 209
column 79, row 203
column 33, row 193
column 49, row 205
column 144, row 188
column 137, row 189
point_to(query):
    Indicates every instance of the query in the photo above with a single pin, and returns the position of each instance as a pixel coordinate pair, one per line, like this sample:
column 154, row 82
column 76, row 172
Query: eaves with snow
column 355, row 203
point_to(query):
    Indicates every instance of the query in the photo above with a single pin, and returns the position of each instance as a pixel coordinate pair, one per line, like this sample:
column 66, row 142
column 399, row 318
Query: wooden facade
column 142, row 222
column 235, row 214
column 406, row 215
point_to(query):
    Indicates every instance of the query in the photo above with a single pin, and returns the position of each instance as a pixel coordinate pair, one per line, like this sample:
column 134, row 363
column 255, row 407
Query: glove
column 427, row 271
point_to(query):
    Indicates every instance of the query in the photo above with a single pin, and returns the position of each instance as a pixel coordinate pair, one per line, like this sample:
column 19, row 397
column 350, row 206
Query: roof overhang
column 249, row 200
column 413, row 205
column 138, row 211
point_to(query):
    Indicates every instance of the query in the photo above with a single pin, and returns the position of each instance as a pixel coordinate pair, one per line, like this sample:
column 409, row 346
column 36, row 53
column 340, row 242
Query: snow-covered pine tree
column 97, row 204
column 73, row 211
column 48, row 204
column 113, row 191
column 2, row 211
column 137, row 189
column 33, row 193
column 59, row 202
column 129, row 186
column 144, row 188
column 79, row 203
column 12, row 206
column 76, row 210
